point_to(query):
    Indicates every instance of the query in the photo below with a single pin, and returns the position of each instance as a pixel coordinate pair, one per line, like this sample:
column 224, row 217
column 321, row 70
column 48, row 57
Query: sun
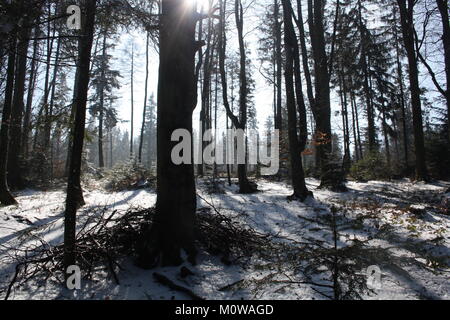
column 202, row 4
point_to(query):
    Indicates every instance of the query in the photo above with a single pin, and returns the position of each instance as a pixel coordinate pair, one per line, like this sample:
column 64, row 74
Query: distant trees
column 104, row 80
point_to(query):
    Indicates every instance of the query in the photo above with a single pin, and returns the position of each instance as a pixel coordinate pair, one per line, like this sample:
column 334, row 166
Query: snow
column 411, row 250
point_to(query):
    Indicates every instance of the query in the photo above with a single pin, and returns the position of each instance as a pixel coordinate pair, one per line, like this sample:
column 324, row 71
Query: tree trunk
column 330, row 177
column 406, row 17
column 30, row 93
column 141, row 143
column 343, row 95
column 402, row 95
column 244, row 184
column 177, row 90
column 279, row 67
column 5, row 196
column 367, row 92
column 101, row 159
column 355, row 135
column 15, row 180
column 74, row 192
column 358, row 130
column 296, row 145
column 206, row 90
column 52, row 101
column 443, row 9
column 306, row 70
column 132, row 103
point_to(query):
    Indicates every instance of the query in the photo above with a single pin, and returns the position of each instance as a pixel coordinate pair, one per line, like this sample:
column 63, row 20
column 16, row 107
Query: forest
column 224, row 150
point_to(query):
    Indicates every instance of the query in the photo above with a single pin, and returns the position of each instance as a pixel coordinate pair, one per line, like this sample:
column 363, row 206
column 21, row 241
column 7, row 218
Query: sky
column 263, row 92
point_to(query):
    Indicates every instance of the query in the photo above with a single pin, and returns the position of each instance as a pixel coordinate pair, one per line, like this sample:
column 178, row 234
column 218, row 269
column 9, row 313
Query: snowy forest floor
column 330, row 241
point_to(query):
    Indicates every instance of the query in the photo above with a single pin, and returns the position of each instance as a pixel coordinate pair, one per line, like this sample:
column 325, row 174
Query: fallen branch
column 170, row 284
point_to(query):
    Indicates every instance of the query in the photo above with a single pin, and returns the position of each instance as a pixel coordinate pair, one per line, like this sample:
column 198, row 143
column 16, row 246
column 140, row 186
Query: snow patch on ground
column 411, row 247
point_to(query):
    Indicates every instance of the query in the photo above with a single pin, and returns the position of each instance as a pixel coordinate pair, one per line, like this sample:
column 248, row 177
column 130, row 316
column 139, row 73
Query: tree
column 74, row 192
column 15, row 180
column 443, row 9
column 173, row 228
column 407, row 23
column 104, row 80
column 141, row 140
column 5, row 196
column 239, row 122
column 296, row 144
column 330, row 178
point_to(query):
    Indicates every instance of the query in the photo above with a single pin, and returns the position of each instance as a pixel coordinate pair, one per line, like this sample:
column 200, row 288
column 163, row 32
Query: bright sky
column 263, row 94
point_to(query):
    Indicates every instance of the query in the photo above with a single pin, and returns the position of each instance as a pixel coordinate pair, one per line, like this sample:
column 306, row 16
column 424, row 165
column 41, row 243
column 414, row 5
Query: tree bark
column 406, row 17
column 402, row 94
column 30, row 93
column 443, row 9
column 296, row 144
column 141, row 143
column 5, row 195
column 279, row 67
column 244, row 185
column 74, row 192
column 132, row 103
column 15, row 180
column 367, row 92
column 177, row 91
column 330, row 177
column 306, row 70
column 101, row 158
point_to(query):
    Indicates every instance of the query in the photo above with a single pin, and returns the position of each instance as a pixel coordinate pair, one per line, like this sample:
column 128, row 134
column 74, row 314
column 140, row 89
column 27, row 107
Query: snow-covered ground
column 397, row 226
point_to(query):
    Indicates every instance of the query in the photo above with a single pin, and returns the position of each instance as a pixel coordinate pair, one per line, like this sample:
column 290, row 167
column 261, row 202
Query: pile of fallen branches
column 107, row 237
column 102, row 240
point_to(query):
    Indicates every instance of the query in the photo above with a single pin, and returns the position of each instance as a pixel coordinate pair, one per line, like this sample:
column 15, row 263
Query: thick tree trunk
column 330, row 177
column 5, row 196
column 74, row 192
column 406, row 17
column 296, row 144
column 15, row 180
column 177, row 90
column 443, row 9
